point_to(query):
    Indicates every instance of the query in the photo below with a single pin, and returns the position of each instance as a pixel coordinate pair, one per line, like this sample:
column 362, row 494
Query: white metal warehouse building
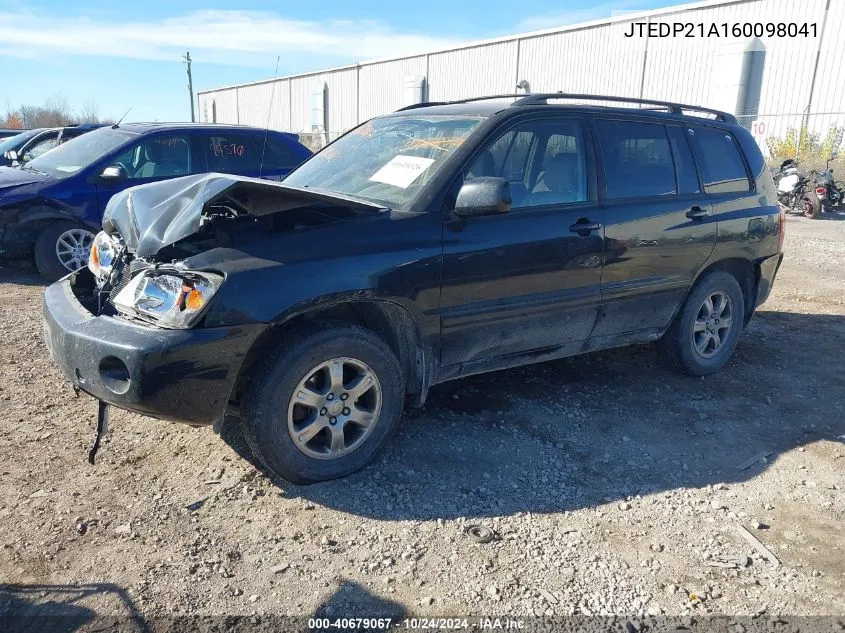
column 772, row 83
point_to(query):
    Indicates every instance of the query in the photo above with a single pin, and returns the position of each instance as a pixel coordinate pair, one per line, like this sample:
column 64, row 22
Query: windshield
column 14, row 142
column 386, row 160
column 75, row 155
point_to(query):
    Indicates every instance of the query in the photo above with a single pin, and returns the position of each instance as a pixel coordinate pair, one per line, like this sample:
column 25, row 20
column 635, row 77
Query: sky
column 118, row 56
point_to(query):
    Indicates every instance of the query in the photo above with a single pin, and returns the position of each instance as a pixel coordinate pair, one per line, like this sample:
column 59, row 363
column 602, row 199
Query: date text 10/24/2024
column 721, row 30
column 414, row 624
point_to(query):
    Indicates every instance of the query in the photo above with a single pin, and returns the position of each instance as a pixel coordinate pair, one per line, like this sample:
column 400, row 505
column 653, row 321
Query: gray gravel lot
column 612, row 484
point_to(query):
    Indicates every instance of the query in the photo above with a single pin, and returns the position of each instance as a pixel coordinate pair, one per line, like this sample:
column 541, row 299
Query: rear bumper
column 768, row 271
column 179, row 375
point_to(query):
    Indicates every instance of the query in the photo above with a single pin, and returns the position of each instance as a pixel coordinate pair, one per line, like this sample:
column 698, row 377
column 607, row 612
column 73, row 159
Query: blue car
column 52, row 206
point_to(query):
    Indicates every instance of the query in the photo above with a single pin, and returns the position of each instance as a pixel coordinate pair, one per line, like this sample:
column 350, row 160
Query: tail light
column 781, row 228
column 820, row 192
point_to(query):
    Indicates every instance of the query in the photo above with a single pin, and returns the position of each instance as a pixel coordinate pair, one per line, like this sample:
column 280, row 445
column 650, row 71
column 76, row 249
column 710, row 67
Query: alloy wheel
column 713, row 323
column 334, row 408
column 73, row 247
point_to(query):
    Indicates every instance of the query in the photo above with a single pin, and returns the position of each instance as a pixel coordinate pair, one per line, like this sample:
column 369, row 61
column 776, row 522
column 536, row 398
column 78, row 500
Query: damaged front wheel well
column 391, row 322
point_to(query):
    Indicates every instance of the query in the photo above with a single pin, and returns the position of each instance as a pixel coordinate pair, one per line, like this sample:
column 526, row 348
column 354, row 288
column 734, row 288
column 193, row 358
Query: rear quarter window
column 722, row 167
column 280, row 155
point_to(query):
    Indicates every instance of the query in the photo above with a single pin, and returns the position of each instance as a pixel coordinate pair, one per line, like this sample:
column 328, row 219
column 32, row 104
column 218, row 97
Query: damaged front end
column 138, row 260
column 129, row 329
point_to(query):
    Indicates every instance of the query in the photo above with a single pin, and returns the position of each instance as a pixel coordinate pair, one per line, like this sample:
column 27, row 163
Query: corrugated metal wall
column 590, row 61
column 596, row 58
column 470, row 72
column 381, row 84
column 829, row 89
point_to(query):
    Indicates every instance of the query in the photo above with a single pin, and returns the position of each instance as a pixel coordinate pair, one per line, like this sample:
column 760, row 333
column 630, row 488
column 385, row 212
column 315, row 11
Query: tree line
column 55, row 112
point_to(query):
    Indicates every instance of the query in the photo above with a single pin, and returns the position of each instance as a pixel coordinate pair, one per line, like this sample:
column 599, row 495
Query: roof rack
column 674, row 108
column 543, row 98
column 426, row 104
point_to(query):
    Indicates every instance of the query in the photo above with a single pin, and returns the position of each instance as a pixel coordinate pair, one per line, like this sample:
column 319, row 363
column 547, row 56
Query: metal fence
column 807, row 138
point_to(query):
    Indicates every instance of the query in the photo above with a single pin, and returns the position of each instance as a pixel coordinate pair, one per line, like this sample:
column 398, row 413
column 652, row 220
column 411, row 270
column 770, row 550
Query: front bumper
column 768, row 271
column 179, row 375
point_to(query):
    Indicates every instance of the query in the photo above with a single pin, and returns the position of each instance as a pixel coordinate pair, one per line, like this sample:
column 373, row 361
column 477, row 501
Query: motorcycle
column 823, row 192
column 791, row 186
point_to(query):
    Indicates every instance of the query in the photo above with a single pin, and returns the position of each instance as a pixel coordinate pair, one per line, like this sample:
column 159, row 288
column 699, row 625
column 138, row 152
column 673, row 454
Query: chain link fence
column 810, row 139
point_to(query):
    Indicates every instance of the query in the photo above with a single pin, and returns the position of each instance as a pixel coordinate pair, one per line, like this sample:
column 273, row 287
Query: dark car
column 32, row 143
column 52, row 206
column 433, row 243
column 14, row 142
column 6, row 132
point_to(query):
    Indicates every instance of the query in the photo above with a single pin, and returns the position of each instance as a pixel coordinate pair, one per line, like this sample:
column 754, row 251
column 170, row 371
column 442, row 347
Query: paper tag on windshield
column 402, row 170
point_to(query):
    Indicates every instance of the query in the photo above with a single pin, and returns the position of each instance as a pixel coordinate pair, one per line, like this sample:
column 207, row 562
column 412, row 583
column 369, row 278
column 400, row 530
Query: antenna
column 269, row 112
column 116, row 125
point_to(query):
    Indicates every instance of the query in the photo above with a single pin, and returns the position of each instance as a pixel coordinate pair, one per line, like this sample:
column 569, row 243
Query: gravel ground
column 612, row 485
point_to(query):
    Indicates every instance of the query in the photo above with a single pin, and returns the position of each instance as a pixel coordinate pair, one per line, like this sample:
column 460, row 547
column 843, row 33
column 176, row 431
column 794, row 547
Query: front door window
column 160, row 157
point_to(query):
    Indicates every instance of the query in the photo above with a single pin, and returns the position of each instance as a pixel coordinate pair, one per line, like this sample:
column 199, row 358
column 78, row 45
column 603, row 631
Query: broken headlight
column 105, row 252
column 169, row 299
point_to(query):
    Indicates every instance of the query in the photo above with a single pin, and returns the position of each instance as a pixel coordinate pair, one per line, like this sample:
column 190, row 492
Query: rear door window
column 232, row 153
column 722, row 167
column 637, row 159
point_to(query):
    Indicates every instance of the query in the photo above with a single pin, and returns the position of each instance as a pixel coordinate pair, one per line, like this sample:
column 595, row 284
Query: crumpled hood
column 149, row 217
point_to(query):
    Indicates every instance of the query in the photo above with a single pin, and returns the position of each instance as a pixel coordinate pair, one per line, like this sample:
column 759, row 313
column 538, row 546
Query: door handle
column 584, row 227
column 697, row 213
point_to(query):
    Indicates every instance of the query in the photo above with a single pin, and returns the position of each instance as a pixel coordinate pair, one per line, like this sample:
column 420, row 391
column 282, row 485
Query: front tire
column 704, row 334
column 61, row 248
column 324, row 404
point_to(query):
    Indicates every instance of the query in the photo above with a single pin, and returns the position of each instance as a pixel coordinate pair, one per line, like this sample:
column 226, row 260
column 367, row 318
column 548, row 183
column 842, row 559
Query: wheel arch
column 394, row 323
column 744, row 271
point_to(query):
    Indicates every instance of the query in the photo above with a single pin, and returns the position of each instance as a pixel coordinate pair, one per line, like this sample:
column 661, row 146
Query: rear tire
column 61, row 248
column 704, row 334
column 812, row 206
column 296, row 391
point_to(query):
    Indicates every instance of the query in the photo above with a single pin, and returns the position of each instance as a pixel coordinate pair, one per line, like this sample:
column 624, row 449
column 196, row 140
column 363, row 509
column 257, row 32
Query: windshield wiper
column 37, row 171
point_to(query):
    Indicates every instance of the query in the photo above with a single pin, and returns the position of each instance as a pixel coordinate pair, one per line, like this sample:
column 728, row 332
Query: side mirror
column 483, row 196
column 11, row 155
column 113, row 173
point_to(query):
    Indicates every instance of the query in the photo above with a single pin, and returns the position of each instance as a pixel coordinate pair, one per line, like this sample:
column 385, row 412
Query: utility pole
column 187, row 60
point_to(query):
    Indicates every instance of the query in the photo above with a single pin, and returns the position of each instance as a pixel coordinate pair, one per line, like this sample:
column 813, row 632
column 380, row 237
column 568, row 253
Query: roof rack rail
column 543, row 98
column 423, row 104
column 426, row 104
column 674, row 108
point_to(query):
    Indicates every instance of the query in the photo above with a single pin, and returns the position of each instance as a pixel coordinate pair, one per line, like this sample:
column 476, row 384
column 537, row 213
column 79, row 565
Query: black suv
column 436, row 242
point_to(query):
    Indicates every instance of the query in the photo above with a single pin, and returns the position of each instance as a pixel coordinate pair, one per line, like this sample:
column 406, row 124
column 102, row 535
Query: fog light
column 114, row 374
